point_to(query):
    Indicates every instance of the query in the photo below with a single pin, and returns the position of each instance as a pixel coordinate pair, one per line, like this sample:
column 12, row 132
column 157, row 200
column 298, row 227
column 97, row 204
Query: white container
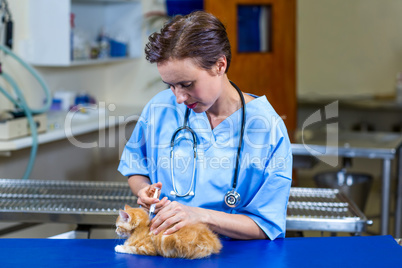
column 67, row 99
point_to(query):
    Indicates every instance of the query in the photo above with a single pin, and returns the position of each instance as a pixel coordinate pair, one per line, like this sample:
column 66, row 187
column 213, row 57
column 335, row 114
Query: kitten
column 191, row 242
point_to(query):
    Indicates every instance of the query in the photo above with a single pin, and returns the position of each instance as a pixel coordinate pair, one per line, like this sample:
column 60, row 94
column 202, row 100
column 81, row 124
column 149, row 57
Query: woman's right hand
column 146, row 198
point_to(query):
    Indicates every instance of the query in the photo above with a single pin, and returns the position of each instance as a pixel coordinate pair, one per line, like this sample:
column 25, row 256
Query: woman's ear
column 221, row 65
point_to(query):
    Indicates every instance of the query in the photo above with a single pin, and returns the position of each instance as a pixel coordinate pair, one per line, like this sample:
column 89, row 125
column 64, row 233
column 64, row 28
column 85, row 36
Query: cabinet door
column 49, row 32
column 49, row 39
column 271, row 72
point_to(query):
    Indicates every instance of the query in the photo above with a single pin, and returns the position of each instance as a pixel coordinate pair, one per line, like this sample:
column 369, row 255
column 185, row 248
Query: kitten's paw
column 120, row 249
column 126, row 249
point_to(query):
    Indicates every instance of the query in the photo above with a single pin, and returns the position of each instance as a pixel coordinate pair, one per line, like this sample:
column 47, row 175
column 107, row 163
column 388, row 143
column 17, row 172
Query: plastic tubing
column 21, row 103
column 35, row 74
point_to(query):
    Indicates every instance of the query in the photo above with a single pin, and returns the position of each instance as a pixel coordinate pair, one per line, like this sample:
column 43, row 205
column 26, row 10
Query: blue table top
column 363, row 251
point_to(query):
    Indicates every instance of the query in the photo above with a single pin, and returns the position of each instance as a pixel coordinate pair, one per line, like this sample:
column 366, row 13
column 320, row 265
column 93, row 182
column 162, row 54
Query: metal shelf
column 317, row 209
column 63, row 201
column 98, row 203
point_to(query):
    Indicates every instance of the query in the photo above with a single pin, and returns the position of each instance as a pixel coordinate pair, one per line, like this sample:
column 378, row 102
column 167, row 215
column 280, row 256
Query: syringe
column 152, row 208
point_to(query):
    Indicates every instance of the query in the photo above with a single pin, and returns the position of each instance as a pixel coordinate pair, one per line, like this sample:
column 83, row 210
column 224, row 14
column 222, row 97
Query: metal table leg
column 398, row 206
column 386, row 189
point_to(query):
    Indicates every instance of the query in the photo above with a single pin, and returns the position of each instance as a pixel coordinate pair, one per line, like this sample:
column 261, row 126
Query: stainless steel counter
column 383, row 146
column 63, row 201
column 323, row 210
column 98, row 203
column 380, row 145
column 360, row 102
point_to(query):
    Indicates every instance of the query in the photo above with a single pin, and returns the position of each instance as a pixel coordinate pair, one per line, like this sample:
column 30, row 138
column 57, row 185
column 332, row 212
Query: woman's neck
column 227, row 103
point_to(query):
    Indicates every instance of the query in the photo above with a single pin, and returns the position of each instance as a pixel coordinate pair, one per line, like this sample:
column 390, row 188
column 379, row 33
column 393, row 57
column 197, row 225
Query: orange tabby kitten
column 191, row 242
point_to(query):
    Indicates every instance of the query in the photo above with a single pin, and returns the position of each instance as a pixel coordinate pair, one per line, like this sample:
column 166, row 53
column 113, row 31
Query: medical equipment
column 6, row 19
column 152, row 208
column 232, row 198
column 17, row 126
column 19, row 101
column 190, row 192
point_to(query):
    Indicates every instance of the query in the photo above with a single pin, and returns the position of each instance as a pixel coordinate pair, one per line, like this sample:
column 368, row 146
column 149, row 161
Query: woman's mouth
column 191, row 106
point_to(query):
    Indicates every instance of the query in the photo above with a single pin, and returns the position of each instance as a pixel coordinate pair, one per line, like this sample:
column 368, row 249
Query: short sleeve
column 134, row 160
column 269, row 204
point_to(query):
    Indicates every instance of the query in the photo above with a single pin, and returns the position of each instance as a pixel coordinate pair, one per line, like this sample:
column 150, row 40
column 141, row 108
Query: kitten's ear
column 124, row 216
column 126, row 207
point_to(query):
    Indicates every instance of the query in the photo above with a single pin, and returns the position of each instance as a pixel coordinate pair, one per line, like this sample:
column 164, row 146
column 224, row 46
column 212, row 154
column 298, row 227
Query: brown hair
column 199, row 35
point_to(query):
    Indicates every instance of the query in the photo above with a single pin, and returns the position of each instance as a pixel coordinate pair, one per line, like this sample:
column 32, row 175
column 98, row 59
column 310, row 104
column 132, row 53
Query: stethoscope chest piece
column 232, row 198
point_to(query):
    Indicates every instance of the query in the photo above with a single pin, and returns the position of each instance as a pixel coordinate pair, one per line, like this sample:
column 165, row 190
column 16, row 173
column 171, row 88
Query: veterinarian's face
column 196, row 87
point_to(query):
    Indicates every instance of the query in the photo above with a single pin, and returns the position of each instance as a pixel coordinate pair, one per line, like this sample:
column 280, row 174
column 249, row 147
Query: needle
column 152, row 208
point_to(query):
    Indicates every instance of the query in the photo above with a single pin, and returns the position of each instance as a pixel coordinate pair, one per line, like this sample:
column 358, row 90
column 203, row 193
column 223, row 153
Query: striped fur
column 190, row 242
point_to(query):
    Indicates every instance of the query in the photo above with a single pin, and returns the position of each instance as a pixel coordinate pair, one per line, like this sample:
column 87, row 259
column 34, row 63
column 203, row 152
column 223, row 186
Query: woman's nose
column 181, row 96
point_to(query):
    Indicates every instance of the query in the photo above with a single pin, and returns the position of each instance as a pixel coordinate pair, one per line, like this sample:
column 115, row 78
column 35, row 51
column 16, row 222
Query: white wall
column 344, row 48
column 137, row 81
column 349, row 47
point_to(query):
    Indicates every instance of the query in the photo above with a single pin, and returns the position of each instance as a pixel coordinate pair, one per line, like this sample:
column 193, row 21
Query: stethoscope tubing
column 194, row 136
column 189, row 192
column 243, row 123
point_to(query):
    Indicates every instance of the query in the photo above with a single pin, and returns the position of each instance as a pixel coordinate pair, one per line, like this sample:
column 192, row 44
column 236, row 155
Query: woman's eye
column 187, row 85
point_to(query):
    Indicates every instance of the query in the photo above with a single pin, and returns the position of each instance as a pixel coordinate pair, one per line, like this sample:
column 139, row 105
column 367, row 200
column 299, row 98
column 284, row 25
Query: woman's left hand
column 173, row 216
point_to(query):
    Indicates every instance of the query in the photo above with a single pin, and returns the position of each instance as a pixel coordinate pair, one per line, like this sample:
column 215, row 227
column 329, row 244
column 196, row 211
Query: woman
column 193, row 56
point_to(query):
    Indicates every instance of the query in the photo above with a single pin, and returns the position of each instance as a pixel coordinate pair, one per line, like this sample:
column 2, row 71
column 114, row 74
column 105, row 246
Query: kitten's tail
column 215, row 243
column 207, row 243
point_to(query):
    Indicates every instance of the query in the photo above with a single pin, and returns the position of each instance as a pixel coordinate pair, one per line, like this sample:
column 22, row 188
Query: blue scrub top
column 265, row 162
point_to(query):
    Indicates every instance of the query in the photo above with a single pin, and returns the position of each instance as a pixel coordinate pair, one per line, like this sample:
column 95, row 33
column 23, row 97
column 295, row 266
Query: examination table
column 97, row 203
column 355, row 251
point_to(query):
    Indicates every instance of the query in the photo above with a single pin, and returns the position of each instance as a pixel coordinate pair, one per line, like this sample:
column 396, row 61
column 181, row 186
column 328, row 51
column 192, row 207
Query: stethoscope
column 232, row 198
